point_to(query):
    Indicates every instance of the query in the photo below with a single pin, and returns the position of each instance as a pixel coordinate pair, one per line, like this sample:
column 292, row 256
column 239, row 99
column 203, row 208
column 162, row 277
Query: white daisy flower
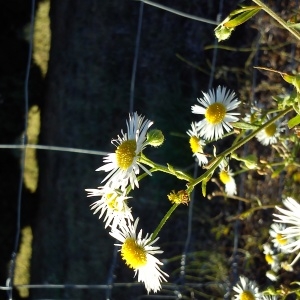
column 246, row 289
column 270, row 134
column 226, row 177
column 291, row 217
column 271, row 258
column 278, row 240
column 123, row 165
column 113, row 203
column 215, row 106
column 196, row 145
column 138, row 254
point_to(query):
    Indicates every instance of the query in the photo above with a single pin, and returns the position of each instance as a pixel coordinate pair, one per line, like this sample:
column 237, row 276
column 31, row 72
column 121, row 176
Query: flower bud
column 222, row 32
column 155, row 137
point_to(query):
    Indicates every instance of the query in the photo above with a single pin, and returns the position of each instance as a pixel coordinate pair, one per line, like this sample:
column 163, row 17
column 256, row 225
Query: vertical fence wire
column 215, row 50
column 11, row 273
column 136, row 55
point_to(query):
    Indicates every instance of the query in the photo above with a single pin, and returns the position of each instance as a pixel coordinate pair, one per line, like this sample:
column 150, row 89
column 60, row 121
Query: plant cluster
column 220, row 117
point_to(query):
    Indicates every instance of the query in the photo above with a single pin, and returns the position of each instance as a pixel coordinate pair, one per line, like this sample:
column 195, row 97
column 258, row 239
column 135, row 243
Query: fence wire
column 10, row 279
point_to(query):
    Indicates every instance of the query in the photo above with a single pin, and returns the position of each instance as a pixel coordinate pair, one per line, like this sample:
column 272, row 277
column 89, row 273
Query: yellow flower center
column 280, row 239
column 125, row 154
column 270, row 130
column 133, row 254
column 112, row 202
column 215, row 113
column 269, row 259
column 247, row 295
column 195, row 145
column 224, row 176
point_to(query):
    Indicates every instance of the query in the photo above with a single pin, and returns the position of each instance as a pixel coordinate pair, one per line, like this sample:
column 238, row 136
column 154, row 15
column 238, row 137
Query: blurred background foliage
column 81, row 99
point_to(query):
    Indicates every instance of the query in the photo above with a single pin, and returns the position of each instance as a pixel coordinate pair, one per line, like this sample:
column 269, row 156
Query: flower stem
column 277, row 18
column 169, row 170
column 163, row 221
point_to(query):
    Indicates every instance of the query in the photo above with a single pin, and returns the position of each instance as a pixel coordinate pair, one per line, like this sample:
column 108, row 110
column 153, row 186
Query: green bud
column 155, row 137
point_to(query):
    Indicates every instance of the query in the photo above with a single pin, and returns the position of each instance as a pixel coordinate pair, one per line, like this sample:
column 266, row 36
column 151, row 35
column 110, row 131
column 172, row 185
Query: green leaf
column 245, row 15
column 243, row 9
column 250, row 160
column 204, row 183
column 171, row 169
column 203, row 186
column 244, row 125
column 294, row 121
column 292, row 79
column 296, row 26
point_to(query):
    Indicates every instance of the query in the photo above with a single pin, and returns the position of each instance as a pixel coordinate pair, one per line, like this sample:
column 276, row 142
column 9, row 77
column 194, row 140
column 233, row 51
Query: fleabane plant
column 216, row 115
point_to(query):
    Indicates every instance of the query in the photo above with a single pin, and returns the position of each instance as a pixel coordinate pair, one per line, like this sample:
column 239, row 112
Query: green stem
column 277, row 18
column 163, row 221
column 169, row 170
column 255, row 132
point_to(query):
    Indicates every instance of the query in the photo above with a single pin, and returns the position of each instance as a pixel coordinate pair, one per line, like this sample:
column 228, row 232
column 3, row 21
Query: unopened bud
column 222, row 32
column 155, row 137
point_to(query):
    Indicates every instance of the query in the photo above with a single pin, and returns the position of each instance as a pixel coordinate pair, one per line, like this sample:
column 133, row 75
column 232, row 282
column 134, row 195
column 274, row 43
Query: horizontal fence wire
column 166, row 286
column 180, row 13
column 52, row 148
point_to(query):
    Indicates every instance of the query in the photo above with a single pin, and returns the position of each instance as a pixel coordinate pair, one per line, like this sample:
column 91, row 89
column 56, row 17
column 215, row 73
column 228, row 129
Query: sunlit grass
column 31, row 170
column 22, row 274
column 42, row 34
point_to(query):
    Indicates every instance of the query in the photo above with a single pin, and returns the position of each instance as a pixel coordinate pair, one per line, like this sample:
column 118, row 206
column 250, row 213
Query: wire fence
column 174, row 288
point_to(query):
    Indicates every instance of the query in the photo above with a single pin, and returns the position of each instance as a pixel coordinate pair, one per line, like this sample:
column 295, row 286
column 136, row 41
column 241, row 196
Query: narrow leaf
column 244, row 125
column 294, row 122
column 242, row 18
column 203, row 185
